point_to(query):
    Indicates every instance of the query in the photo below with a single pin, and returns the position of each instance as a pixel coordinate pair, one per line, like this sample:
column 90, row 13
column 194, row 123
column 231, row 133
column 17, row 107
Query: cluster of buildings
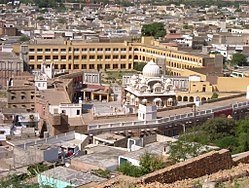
column 57, row 105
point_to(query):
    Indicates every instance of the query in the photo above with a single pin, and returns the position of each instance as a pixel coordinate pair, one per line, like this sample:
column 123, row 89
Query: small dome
column 143, row 81
column 151, row 69
column 134, row 77
column 157, row 85
column 168, row 81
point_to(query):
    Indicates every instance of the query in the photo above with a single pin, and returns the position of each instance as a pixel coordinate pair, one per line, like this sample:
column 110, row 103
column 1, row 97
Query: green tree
column 151, row 163
column 148, row 163
column 218, row 128
column 239, row 59
column 24, row 38
column 154, row 29
column 186, row 26
column 215, row 95
column 242, row 133
column 139, row 66
column 40, row 18
column 181, row 150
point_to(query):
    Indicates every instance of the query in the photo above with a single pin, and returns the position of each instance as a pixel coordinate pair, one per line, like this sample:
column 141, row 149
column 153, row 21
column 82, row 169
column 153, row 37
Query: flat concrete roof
column 72, row 176
column 109, row 137
column 153, row 148
column 102, row 156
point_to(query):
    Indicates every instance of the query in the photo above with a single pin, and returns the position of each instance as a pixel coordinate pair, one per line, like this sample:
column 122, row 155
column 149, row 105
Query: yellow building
column 79, row 55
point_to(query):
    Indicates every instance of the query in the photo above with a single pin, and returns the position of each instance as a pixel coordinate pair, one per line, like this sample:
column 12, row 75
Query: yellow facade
column 78, row 56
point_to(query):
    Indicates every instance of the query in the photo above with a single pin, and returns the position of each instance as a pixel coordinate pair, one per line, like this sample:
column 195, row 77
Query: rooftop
column 102, row 156
column 50, row 96
column 73, row 176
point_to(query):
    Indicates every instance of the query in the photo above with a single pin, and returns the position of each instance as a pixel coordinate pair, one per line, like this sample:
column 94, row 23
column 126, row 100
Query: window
column 76, row 66
column 92, row 49
column 115, row 49
column 32, row 50
column 63, row 57
column 76, row 57
column 115, row 57
column 47, row 57
column 56, row 66
column 123, row 49
column 78, row 112
column 76, row 49
column 83, row 57
column 83, row 66
column 107, row 66
column 55, row 57
column 108, row 49
column 47, row 50
column 107, row 57
column 99, row 57
column 23, row 97
column 55, row 50
column 63, row 50
column 91, row 66
column 31, row 57
column 39, row 50
column 84, row 49
column 13, row 97
column 38, row 66
column 123, row 56
column 39, row 57
column 100, row 49
column 99, row 66
column 123, row 66
column 63, row 66
column 91, row 57
column 115, row 66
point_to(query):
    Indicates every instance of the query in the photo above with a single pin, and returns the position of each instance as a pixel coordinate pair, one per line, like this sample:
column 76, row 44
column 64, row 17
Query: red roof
column 173, row 36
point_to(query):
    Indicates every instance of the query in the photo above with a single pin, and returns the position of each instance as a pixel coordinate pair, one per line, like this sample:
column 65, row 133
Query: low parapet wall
column 241, row 158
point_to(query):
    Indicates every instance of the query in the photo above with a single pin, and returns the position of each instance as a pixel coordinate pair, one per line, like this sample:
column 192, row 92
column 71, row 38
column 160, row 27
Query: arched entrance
column 203, row 99
column 191, row 99
column 179, row 98
column 185, row 99
column 158, row 102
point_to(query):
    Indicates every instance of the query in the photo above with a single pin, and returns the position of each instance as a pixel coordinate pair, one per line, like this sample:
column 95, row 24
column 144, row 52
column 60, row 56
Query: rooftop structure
column 62, row 177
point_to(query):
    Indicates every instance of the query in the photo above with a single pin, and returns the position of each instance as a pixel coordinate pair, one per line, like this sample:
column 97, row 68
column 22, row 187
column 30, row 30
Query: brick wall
column 204, row 164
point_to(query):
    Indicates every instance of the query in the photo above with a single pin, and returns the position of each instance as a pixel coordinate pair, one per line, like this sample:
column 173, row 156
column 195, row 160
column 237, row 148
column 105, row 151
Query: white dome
column 151, row 69
column 143, row 81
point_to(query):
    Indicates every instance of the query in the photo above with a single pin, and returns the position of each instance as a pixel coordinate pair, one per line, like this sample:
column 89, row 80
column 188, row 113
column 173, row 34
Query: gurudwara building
column 152, row 88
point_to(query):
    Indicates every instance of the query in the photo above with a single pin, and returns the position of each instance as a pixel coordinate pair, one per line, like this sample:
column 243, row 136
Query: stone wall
column 241, row 158
column 204, row 164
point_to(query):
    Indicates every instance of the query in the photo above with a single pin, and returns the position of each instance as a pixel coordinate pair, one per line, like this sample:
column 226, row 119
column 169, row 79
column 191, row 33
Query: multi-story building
column 73, row 55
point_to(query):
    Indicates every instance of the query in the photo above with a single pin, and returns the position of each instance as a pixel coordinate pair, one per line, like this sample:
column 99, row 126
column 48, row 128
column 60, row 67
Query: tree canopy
column 222, row 132
column 148, row 163
column 154, row 29
column 24, row 38
column 239, row 59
